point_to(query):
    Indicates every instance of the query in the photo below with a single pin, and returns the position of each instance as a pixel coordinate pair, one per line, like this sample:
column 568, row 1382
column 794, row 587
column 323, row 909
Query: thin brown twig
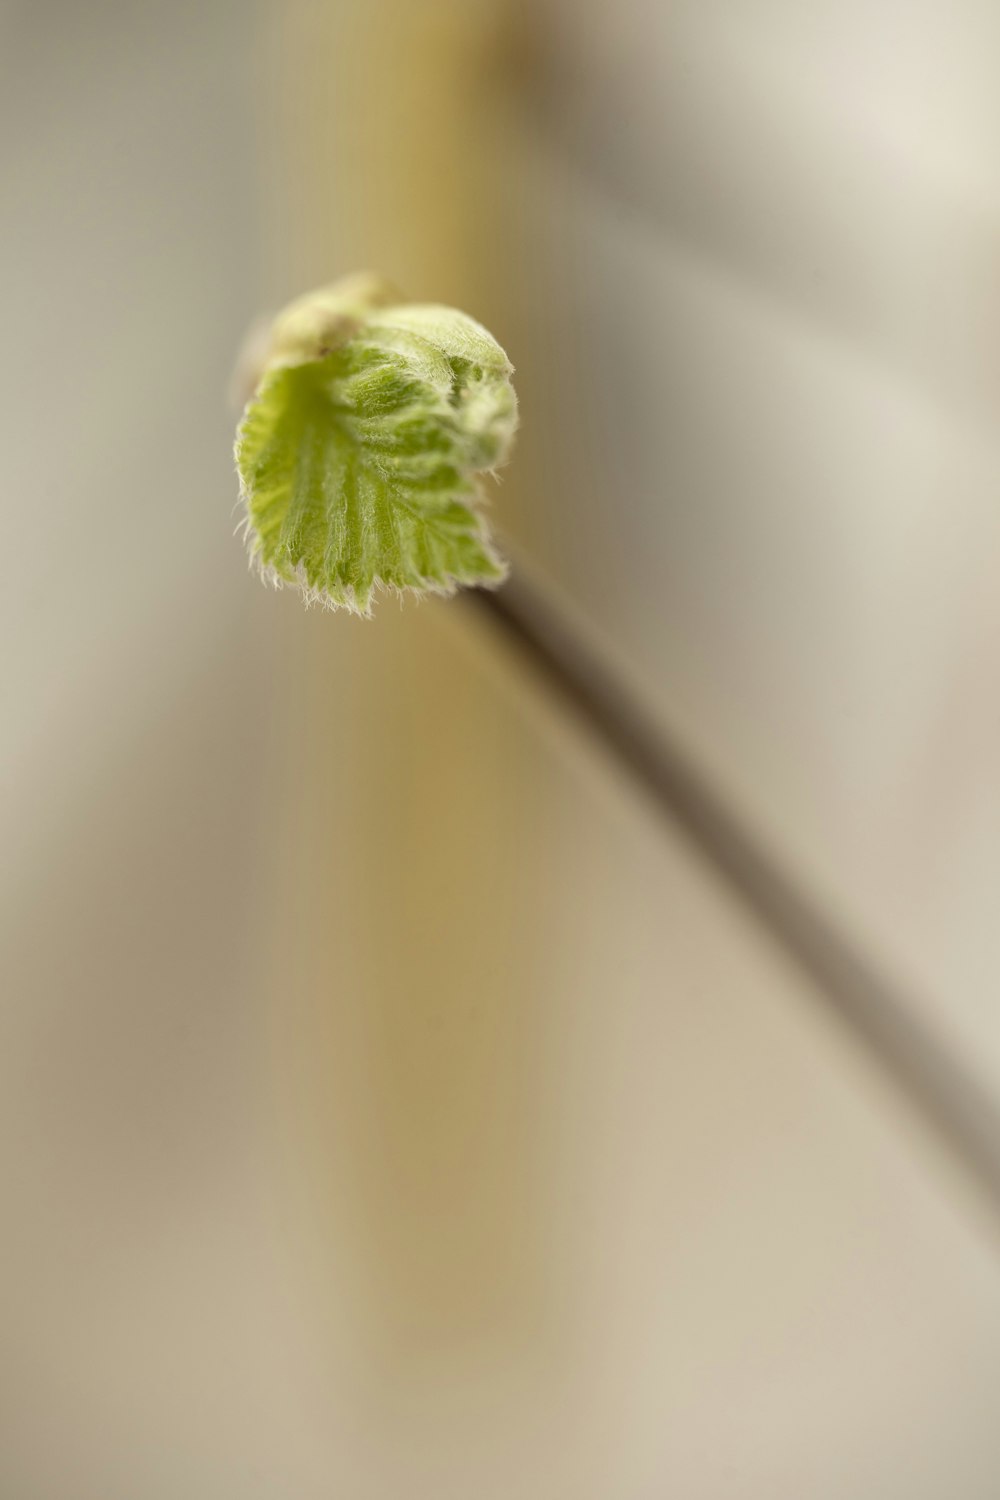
column 938, row 1085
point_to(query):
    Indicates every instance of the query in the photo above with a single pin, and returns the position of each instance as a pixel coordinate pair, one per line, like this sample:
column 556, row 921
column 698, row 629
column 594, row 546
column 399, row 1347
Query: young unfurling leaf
column 361, row 450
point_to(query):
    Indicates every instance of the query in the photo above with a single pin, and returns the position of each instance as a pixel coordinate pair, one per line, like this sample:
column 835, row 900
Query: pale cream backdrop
column 391, row 1104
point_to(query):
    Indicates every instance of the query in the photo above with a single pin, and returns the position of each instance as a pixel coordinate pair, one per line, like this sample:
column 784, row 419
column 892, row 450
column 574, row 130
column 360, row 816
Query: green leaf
column 360, row 452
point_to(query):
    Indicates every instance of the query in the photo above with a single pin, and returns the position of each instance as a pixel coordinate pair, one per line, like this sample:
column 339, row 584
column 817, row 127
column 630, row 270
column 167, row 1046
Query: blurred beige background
column 390, row 1104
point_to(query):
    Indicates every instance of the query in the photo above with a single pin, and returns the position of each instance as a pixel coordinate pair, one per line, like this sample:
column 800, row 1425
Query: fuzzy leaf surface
column 359, row 467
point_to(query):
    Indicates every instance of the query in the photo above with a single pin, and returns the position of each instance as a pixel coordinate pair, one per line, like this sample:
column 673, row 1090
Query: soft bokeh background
column 389, row 1104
